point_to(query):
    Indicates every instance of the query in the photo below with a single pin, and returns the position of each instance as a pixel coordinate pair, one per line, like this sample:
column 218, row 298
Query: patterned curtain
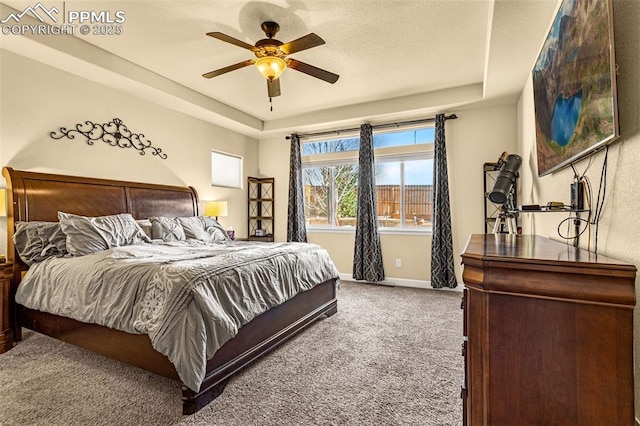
column 442, row 272
column 296, row 228
column 367, row 256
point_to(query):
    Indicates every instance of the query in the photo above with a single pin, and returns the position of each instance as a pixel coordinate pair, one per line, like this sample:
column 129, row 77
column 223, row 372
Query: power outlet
column 398, row 263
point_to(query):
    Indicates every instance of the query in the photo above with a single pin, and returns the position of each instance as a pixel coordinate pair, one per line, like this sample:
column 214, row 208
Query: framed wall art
column 574, row 85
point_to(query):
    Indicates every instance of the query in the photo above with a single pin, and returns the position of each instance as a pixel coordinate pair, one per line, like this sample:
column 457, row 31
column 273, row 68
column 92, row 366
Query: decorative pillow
column 145, row 225
column 86, row 235
column 203, row 228
column 193, row 228
column 37, row 241
column 167, row 229
column 214, row 229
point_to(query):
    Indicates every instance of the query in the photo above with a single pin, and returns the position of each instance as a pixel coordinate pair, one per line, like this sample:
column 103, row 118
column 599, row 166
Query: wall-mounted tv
column 574, row 85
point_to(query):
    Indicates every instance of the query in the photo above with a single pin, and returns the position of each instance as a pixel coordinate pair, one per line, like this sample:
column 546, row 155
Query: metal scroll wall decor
column 115, row 133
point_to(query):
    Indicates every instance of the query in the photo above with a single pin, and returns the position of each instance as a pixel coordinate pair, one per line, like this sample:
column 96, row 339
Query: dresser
column 548, row 334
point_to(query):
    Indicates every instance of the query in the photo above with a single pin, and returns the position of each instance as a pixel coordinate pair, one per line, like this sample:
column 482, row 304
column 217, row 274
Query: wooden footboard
column 253, row 340
column 260, row 336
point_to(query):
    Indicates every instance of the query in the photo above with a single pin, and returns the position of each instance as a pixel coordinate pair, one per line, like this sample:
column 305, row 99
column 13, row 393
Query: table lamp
column 215, row 208
column 3, row 202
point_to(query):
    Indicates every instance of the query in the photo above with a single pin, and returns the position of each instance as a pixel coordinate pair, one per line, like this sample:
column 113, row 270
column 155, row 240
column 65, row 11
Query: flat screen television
column 574, row 85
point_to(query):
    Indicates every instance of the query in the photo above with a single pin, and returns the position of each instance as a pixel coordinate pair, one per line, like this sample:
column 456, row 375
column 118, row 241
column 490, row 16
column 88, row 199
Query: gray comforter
column 189, row 298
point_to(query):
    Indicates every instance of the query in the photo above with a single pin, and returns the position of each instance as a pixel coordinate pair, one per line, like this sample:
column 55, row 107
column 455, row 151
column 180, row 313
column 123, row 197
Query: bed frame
column 39, row 196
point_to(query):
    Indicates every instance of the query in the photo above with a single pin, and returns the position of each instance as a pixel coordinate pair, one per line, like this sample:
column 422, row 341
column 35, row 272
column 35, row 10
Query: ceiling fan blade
column 229, row 68
column 232, row 40
column 303, row 43
column 316, row 72
column 273, row 87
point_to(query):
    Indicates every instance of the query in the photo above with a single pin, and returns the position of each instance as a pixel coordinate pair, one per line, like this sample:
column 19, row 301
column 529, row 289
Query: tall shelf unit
column 492, row 210
column 261, row 208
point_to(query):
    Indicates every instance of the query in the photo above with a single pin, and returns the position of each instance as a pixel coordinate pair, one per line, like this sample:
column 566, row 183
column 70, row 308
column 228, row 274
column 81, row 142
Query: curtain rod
column 377, row 126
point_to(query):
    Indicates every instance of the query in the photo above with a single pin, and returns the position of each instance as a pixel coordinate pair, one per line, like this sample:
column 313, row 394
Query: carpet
column 390, row 356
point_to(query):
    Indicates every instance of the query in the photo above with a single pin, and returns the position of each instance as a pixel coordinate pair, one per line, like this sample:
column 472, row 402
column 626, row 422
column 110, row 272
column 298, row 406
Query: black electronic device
column 577, row 196
column 530, row 207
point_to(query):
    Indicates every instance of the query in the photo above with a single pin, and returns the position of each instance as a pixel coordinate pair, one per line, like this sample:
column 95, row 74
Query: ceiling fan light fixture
column 271, row 67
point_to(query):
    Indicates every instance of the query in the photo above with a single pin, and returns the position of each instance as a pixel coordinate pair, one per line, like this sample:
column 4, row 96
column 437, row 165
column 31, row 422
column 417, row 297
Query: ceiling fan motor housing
column 270, row 28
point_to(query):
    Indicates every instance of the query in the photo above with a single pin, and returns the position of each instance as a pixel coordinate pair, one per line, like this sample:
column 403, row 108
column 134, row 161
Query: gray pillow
column 167, row 229
column 86, row 235
column 37, row 241
column 193, row 228
column 145, row 225
column 214, row 229
column 202, row 228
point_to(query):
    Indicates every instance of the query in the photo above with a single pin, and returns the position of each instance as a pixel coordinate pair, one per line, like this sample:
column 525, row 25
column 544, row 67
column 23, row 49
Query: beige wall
column 37, row 99
column 477, row 136
column 411, row 249
column 619, row 233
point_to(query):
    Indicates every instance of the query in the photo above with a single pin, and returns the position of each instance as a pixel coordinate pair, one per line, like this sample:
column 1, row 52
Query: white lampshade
column 215, row 208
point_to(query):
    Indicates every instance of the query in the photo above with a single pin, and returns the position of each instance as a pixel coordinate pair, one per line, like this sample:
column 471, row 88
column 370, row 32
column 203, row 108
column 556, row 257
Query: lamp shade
column 271, row 67
column 215, row 208
column 3, row 202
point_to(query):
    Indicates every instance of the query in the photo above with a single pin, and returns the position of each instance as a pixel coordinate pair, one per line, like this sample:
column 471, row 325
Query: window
column 405, row 193
column 404, row 175
column 226, row 169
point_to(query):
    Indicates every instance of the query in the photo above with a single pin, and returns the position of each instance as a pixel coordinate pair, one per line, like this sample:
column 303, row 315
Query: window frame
column 423, row 151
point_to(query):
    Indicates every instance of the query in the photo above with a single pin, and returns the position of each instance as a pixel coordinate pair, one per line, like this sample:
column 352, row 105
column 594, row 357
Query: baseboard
column 402, row 282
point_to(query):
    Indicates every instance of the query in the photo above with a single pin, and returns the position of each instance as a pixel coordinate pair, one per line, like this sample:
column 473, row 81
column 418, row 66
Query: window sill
column 383, row 231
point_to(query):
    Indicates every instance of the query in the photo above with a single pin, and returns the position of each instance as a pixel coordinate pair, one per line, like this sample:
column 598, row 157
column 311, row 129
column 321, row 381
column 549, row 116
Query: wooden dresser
column 548, row 334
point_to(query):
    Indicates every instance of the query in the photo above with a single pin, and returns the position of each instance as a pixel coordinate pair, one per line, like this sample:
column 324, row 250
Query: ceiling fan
column 272, row 57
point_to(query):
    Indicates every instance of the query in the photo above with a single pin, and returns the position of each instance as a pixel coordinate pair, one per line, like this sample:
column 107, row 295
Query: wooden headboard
column 35, row 196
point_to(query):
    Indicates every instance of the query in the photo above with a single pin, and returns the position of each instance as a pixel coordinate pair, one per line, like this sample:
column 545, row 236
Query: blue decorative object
column 565, row 118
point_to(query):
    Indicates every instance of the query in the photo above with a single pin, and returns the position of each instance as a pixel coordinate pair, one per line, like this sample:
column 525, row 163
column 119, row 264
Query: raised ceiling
column 396, row 59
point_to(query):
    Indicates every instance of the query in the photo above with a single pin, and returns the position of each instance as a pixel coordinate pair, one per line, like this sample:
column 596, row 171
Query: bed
column 40, row 196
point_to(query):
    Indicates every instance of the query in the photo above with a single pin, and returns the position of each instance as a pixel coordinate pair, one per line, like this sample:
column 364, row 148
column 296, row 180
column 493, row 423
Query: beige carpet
column 390, row 356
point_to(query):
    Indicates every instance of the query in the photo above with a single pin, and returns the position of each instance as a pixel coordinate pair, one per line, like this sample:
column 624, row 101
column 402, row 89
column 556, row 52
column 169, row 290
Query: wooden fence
column 418, row 201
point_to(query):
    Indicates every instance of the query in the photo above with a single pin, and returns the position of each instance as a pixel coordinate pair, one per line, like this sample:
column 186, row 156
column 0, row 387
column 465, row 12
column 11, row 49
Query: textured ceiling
column 391, row 54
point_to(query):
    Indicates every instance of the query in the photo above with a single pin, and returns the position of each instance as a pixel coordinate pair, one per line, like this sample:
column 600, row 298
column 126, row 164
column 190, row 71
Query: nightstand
column 6, row 333
column 264, row 239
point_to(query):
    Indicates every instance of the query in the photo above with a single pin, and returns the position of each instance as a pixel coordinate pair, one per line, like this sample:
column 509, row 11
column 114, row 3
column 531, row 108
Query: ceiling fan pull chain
column 270, row 104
